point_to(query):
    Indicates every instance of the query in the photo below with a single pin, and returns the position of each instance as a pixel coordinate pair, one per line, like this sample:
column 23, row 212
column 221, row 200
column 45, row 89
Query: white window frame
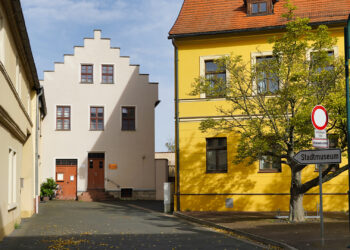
column 253, row 56
column 12, row 180
column 2, row 51
column 334, row 48
column 202, row 60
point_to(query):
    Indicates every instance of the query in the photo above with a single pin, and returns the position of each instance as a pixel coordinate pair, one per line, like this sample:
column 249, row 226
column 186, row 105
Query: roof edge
column 236, row 31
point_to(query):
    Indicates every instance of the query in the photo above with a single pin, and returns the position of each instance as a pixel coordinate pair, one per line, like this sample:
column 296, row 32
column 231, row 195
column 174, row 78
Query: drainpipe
column 37, row 130
column 177, row 151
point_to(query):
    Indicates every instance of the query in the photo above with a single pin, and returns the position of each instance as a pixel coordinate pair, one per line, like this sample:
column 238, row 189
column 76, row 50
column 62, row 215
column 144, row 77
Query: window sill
column 108, row 83
column 11, row 206
column 86, row 82
column 216, row 172
column 96, row 130
column 129, row 130
column 269, row 171
column 62, row 130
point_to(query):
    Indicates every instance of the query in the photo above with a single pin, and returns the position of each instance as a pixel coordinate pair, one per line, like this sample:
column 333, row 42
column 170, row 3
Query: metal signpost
column 319, row 118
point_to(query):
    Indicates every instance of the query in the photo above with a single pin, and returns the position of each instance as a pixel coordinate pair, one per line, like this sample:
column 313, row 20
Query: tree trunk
column 296, row 209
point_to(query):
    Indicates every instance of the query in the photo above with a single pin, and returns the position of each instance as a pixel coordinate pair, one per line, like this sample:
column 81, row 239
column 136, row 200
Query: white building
column 99, row 131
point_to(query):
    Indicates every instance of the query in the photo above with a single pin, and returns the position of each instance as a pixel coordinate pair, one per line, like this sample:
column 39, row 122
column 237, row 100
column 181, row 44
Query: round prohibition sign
column 319, row 117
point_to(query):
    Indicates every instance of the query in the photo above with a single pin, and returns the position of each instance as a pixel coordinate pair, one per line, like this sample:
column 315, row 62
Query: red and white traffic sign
column 319, row 117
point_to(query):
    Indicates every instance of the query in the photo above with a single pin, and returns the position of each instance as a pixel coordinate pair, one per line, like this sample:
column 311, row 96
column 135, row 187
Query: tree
column 170, row 145
column 271, row 101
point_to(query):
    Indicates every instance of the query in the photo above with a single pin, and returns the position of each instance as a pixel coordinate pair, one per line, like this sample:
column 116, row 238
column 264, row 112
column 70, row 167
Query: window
column 12, row 187
column 128, row 118
column 270, row 163
column 63, row 118
column 96, row 118
column 330, row 54
column 333, row 143
column 86, row 73
column 259, row 8
column 216, row 155
column 217, row 75
column 266, row 81
column 107, row 73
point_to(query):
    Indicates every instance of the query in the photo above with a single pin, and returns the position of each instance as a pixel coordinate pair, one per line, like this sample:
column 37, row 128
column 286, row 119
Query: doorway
column 66, row 178
column 96, row 173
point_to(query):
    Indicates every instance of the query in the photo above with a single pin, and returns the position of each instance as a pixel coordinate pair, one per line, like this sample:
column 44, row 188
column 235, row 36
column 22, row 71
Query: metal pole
column 346, row 34
column 321, row 203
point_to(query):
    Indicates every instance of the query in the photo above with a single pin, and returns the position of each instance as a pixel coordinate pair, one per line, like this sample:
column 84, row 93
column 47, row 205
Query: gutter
column 239, row 31
column 177, row 150
column 37, row 132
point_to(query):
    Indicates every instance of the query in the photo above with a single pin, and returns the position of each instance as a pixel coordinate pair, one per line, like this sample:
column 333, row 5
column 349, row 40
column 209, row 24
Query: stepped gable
column 97, row 35
column 198, row 17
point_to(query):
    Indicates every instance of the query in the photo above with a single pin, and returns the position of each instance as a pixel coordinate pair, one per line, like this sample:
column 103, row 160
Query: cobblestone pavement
column 113, row 225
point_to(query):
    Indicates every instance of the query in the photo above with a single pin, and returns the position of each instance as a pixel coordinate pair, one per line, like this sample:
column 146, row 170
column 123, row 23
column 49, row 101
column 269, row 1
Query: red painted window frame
column 109, row 73
column 94, row 119
column 84, row 76
column 62, row 118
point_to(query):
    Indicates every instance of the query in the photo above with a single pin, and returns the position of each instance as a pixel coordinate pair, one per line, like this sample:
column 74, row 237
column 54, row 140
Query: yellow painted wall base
column 260, row 203
column 7, row 229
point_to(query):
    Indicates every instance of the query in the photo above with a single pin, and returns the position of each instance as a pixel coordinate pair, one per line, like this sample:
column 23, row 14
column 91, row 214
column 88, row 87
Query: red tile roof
column 211, row 16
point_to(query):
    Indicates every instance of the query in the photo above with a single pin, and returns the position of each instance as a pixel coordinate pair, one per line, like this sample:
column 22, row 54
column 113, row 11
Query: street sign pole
column 321, row 203
column 347, row 55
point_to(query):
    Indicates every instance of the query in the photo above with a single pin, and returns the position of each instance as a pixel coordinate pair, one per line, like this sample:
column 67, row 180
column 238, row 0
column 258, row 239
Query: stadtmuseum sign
column 318, row 156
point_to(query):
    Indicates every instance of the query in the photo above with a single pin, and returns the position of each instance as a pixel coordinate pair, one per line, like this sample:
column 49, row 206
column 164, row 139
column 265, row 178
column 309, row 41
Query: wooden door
column 96, row 173
column 66, row 178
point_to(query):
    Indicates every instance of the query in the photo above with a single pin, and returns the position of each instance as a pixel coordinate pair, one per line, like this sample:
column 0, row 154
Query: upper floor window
column 107, row 74
column 217, row 76
column 128, row 118
column 259, row 7
column 96, row 118
column 216, row 155
column 266, row 80
column 63, row 118
column 86, row 73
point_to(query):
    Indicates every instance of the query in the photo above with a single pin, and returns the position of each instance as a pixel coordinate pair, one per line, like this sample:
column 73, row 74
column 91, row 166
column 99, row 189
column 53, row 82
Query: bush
column 48, row 188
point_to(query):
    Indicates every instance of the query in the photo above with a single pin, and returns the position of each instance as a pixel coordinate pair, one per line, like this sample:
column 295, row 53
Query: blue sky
column 139, row 27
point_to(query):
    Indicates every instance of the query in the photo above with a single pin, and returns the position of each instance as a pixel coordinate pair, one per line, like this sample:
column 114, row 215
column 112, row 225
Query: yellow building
column 22, row 107
column 204, row 31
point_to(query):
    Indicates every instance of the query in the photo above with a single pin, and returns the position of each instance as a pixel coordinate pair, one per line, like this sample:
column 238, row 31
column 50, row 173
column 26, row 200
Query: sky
column 139, row 27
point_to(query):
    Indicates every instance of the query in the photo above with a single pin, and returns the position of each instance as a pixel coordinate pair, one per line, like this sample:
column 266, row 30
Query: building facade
column 22, row 108
column 203, row 32
column 100, row 123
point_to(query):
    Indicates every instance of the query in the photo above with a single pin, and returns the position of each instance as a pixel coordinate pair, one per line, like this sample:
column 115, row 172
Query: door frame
column 69, row 158
column 104, row 167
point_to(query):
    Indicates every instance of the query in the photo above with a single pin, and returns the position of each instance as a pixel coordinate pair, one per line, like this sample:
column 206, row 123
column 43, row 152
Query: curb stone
column 257, row 238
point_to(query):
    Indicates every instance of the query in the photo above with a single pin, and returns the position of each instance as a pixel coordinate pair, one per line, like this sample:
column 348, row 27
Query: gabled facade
column 22, row 108
column 206, row 177
column 99, row 133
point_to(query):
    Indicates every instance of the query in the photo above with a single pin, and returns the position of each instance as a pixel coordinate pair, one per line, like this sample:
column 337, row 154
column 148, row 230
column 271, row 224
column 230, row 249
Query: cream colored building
column 19, row 102
column 99, row 132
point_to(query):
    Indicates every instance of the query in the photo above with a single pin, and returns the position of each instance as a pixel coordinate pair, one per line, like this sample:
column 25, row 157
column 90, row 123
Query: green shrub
column 48, row 188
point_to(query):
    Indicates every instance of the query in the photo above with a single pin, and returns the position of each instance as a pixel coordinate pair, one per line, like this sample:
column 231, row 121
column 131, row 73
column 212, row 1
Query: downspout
column 177, row 150
column 37, row 130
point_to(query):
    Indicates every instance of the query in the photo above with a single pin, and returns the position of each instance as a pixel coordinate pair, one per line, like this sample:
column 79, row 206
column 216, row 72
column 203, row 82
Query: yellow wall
column 250, row 190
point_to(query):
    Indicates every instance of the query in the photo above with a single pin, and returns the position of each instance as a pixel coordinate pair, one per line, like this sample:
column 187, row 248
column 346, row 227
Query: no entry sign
column 319, row 117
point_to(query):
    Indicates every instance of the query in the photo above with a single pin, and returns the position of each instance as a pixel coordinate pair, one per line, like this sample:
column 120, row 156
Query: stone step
column 95, row 195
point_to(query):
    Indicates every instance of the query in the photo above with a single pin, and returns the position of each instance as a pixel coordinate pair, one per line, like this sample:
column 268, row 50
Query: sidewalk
column 265, row 227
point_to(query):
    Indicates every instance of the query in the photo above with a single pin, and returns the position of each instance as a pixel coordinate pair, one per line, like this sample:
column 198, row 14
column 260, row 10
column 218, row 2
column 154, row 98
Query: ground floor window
column 216, row 155
column 12, row 187
column 270, row 163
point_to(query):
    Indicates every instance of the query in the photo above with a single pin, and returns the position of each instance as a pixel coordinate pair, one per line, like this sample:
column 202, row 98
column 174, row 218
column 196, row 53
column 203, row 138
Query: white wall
column 132, row 151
